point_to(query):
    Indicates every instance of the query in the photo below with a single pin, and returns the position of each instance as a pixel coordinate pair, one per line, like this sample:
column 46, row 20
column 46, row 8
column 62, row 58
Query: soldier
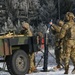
column 40, row 40
column 68, row 42
column 27, row 28
column 31, row 56
column 57, row 43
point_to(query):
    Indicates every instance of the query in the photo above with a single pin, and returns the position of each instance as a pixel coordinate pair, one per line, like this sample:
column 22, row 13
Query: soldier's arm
column 63, row 31
column 56, row 28
column 29, row 32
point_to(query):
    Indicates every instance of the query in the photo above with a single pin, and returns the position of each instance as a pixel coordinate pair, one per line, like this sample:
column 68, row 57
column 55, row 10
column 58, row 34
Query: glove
column 47, row 30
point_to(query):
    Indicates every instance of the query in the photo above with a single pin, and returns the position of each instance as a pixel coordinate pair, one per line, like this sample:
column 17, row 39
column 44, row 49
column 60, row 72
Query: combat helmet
column 25, row 25
column 69, row 15
column 40, row 34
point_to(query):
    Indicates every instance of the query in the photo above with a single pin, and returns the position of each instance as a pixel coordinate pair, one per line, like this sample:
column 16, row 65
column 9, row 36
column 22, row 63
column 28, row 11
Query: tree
column 65, row 6
column 47, row 10
column 37, row 11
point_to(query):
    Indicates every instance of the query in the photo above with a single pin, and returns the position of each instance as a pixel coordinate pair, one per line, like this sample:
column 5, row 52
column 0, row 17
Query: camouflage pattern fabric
column 32, row 55
column 58, row 44
column 32, row 63
column 68, row 44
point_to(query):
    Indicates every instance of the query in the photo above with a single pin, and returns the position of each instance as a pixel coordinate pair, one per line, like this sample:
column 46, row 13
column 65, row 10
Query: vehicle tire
column 18, row 63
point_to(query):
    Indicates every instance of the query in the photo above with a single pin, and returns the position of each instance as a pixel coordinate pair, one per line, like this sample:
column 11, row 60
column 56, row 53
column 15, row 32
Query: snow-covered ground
column 51, row 64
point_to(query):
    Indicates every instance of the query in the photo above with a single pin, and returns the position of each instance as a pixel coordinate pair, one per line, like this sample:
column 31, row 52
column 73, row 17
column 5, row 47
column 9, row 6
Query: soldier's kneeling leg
column 32, row 65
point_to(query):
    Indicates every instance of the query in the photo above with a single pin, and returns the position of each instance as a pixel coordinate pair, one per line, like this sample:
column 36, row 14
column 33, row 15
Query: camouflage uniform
column 68, row 44
column 32, row 55
column 57, row 43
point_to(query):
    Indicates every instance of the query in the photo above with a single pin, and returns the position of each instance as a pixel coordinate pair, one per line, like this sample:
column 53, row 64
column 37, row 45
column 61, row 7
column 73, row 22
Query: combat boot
column 33, row 69
column 73, row 71
column 66, row 70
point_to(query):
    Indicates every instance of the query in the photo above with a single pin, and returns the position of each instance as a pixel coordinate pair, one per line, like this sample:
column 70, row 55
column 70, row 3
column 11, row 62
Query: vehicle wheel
column 18, row 63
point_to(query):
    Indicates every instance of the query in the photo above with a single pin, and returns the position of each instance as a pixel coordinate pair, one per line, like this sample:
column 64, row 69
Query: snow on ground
column 51, row 64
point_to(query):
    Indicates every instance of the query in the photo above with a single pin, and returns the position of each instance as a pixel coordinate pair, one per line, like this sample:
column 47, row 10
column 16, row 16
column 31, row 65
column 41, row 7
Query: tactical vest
column 71, row 32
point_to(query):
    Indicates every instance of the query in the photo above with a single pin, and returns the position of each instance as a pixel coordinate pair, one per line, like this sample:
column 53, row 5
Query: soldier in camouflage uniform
column 40, row 36
column 32, row 55
column 68, row 43
column 58, row 44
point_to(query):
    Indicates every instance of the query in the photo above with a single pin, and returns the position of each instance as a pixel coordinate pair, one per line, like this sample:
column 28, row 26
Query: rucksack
column 71, row 32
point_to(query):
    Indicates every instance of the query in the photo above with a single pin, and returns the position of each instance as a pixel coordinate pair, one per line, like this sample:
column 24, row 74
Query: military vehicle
column 14, row 47
column 15, row 50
